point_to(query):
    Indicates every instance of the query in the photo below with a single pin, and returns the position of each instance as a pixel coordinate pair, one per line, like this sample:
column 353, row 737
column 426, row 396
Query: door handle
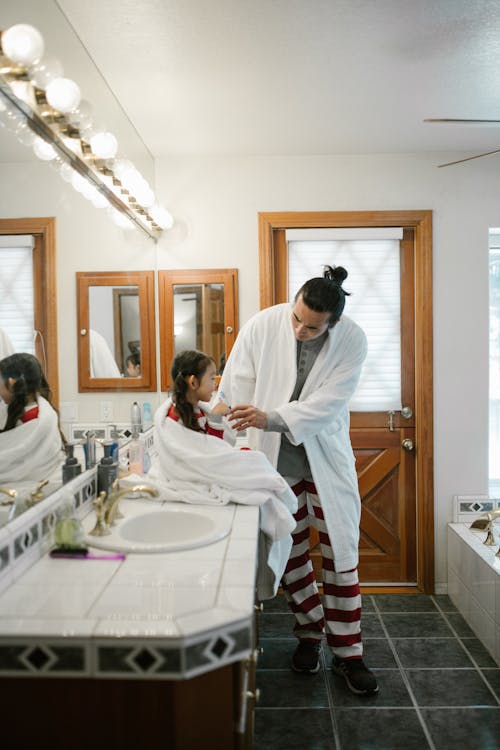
column 407, row 444
column 406, row 412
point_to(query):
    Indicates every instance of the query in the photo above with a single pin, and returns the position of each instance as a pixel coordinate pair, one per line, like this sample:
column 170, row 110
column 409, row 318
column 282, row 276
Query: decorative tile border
column 44, row 658
column 466, row 508
column 150, row 658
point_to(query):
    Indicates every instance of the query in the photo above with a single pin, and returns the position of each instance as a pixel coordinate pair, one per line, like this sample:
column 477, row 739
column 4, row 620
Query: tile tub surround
column 156, row 616
column 474, row 582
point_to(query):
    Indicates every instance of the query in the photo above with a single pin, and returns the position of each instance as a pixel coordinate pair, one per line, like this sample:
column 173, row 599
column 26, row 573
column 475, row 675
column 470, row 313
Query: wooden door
column 393, row 450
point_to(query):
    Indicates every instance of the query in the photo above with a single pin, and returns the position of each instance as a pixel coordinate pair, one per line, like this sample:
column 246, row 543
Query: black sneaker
column 358, row 677
column 306, row 657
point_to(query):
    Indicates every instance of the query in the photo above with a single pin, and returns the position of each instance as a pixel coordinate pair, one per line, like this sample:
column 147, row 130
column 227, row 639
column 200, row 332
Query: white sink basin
column 167, row 528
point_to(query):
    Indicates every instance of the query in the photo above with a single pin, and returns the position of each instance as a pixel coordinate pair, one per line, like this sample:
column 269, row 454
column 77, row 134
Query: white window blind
column 494, row 368
column 371, row 257
column 16, row 291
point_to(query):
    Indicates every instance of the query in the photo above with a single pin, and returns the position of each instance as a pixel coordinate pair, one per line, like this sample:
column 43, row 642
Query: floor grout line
column 405, row 680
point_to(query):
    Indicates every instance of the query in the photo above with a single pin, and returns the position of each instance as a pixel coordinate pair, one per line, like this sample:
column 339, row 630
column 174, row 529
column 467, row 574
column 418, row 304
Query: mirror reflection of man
column 133, row 365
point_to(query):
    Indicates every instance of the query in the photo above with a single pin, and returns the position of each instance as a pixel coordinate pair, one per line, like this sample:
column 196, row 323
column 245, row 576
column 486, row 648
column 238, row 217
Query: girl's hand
column 220, row 408
column 244, row 416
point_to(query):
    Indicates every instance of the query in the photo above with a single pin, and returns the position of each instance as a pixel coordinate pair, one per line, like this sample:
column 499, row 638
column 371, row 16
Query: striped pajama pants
column 340, row 613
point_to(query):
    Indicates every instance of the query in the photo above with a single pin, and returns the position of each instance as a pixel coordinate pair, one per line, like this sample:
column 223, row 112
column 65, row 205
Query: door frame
column 273, row 280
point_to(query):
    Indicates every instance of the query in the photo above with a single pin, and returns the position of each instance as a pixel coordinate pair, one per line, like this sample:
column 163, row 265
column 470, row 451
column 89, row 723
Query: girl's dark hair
column 26, row 370
column 325, row 293
column 186, row 363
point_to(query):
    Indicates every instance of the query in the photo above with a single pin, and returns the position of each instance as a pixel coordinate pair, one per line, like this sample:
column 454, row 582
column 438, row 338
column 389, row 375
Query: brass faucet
column 100, row 528
column 484, row 521
column 115, row 495
column 37, row 494
column 10, row 493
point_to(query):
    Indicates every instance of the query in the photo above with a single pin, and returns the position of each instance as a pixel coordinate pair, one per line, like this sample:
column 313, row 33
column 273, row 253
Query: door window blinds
column 371, row 257
column 16, row 291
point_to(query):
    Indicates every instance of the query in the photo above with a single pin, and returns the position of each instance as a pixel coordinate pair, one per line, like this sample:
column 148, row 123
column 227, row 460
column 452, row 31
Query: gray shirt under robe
column 292, row 459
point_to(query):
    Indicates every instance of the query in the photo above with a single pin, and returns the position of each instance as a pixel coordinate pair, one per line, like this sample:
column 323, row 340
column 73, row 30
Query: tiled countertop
column 154, row 616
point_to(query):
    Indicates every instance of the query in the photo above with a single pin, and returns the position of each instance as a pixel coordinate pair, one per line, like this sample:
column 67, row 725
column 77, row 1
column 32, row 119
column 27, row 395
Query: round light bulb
column 79, row 182
column 44, row 71
column 63, row 94
column 44, row 150
column 161, row 217
column 99, row 200
column 145, row 197
column 23, row 44
column 66, row 171
column 121, row 220
column 82, row 115
column 104, row 145
column 121, row 166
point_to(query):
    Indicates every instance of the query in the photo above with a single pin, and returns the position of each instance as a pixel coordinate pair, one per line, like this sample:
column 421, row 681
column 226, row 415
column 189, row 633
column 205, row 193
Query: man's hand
column 244, row 415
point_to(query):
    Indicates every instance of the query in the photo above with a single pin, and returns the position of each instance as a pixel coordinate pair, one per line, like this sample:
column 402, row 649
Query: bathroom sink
column 169, row 528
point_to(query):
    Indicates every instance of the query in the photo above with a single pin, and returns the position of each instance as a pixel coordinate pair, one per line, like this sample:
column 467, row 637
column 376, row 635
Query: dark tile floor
column 439, row 687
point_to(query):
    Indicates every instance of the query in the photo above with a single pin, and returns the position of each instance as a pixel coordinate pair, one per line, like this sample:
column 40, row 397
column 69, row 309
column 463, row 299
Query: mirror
column 198, row 310
column 116, row 332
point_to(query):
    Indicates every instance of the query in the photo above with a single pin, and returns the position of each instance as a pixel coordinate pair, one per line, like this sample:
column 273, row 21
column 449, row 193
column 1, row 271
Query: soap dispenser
column 136, row 417
column 71, row 468
column 107, row 469
column 135, row 453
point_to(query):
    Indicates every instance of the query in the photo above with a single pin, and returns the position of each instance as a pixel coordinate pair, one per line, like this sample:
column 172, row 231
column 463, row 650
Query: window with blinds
column 494, row 369
column 16, row 291
column 371, row 257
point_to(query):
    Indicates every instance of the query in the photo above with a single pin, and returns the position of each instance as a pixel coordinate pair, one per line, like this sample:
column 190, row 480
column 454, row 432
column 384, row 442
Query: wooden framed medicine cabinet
column 116, row 320
column 198, row 310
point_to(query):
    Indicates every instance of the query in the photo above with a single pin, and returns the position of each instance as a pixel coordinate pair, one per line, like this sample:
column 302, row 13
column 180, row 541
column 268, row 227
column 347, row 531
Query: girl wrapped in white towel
column 31, row 444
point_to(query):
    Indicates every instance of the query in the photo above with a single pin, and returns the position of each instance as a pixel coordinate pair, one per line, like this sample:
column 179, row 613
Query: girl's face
column 205, row 386
column 5, row 390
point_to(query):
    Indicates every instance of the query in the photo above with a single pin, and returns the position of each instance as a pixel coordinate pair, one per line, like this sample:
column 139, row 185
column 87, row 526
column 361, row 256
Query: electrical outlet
column 106, row 411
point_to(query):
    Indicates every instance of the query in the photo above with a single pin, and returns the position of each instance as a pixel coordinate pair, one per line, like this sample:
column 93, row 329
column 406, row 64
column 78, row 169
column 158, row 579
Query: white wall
column 216, row 201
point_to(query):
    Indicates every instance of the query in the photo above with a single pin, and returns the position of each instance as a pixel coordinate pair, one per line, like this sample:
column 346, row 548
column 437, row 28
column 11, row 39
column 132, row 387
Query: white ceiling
column 298, row 77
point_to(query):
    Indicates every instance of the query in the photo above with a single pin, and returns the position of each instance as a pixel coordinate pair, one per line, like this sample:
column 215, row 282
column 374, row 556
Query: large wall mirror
column 198, row 310
column 116, row 331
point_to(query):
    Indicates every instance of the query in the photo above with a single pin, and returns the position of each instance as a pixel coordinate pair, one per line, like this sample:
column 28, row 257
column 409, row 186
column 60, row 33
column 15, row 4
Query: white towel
column 33, row 450
column 196, row 468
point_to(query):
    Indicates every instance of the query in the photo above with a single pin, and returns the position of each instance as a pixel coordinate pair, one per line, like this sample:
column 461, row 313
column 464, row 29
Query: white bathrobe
column 198, row 468
column 262, row 370
column 31, row 451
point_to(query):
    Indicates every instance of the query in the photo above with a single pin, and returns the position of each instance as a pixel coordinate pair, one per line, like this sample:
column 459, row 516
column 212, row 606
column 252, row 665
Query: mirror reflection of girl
column 194, row 376
column 30, row 439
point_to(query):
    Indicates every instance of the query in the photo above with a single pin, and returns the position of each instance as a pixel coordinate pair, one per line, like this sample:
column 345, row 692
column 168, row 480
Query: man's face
column 308, row 324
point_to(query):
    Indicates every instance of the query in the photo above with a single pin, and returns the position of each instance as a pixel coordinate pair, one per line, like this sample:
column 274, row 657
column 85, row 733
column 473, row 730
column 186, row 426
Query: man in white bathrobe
column 288, row 381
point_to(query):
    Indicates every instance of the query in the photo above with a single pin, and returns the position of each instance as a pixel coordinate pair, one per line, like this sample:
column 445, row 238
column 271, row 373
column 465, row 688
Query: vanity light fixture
column 46, row 112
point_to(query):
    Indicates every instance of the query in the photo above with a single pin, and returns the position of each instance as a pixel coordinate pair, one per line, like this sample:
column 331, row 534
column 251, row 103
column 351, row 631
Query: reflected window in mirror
column 38, row 307
column 198, row 310
column 116, row 331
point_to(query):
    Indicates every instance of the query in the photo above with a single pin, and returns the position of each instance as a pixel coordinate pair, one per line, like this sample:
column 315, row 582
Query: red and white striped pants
column 340, row 613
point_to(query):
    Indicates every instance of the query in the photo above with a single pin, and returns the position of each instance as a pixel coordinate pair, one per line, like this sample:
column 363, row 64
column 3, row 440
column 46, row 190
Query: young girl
column 194, row 377
column 30, row 439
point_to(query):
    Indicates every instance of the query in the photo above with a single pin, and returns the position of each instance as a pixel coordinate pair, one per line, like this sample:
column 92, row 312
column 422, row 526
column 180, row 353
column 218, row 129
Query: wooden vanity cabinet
column 209, row 711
